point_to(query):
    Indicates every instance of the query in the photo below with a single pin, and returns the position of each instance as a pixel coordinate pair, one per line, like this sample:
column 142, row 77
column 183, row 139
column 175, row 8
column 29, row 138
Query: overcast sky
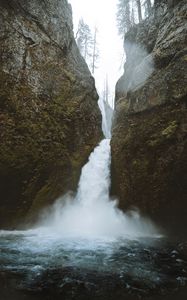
column 102, row 14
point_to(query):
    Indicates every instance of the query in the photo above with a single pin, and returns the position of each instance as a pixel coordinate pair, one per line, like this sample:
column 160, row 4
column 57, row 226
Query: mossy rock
column 149, row 161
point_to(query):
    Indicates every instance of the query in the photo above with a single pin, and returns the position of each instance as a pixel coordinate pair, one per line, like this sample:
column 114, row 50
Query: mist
column 91, row 213
column 139, row 67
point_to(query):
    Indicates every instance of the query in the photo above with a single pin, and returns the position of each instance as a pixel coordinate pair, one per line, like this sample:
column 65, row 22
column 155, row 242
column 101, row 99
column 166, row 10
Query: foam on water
column 91, row 213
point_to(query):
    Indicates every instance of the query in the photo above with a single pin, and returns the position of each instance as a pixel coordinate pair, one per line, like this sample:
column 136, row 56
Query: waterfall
column 91, row 213
column 106, row 118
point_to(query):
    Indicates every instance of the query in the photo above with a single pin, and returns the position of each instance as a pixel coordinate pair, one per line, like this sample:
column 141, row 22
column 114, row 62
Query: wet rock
column 49, row 117
column 149, row 149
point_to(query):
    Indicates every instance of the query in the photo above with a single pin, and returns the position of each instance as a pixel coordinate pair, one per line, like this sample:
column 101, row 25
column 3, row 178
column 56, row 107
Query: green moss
column 161, row 135
column 70, row 76
column 140, row 165
column 170, row 130
column 40, row 136
column 154, row 143
column 45, row 196
column 148, row 158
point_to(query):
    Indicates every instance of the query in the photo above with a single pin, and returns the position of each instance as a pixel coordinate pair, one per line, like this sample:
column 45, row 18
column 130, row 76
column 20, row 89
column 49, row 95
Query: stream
column 35, row 265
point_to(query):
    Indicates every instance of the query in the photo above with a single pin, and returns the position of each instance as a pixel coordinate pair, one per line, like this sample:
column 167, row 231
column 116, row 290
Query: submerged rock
column 49, row 117
column 149, row 145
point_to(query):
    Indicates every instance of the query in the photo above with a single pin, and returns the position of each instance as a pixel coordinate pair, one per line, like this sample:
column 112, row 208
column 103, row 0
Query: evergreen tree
column 84, row 39
column 127, row 13
column 123, row 16
column 87, row 44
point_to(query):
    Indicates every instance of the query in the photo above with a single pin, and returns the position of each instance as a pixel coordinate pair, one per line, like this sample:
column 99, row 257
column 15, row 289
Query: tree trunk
column 106, row 88
column 127, row 15
column 149, row 6
column 85, row 48
column 94, row 51
column 139, row 10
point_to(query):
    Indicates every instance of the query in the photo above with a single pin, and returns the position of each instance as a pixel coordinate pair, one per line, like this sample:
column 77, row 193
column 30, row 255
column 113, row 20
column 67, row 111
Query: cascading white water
column 105, row 125
column 91, row 213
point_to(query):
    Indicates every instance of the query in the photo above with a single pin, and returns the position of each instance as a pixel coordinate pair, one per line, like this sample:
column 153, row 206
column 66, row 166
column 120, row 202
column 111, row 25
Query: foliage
column 84, row 39
column 130, row 12
column 123, row 16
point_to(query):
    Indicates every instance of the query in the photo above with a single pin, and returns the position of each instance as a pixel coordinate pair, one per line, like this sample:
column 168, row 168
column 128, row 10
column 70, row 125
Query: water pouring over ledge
column 92, row 213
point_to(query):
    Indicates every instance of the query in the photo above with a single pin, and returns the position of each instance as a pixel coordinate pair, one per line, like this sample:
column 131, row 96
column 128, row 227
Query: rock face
column 149, row 144
column 49, row 117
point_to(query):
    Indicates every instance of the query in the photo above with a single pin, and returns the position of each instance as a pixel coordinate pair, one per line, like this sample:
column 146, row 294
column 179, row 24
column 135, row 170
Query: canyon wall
column 149, row 139
column 49, row 117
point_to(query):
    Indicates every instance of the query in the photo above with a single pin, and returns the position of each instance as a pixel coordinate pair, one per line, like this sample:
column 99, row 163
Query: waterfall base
column 35, row 266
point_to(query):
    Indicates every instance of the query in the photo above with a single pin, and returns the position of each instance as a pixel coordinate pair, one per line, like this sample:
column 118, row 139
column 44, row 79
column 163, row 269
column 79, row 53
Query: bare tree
column 148, row 6
column 95, row 54
column 132, row 16
column 106, row 91
column 84, row 39
column 138, row 2
column 87, row 44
